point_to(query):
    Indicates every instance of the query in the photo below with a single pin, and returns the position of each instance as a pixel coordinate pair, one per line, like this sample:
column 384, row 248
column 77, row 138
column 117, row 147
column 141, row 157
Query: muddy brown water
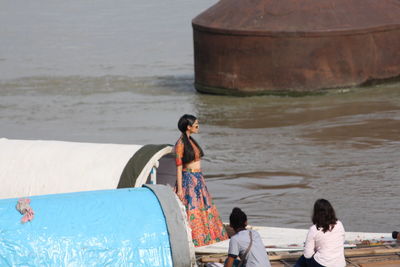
column 71, row 76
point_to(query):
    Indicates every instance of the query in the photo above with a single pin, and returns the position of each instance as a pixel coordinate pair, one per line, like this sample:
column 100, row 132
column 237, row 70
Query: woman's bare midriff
column 194, row 165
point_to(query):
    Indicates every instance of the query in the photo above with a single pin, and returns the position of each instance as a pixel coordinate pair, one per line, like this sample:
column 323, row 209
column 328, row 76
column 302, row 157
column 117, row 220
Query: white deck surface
column 290, row 239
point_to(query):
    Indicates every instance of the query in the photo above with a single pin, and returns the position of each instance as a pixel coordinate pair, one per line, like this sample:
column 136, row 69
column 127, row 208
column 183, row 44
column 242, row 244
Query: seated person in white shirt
column 324, row 246
column 246, row 244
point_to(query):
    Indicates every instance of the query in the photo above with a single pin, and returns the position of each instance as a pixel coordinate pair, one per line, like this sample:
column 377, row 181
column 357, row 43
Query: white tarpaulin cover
column 32, row 167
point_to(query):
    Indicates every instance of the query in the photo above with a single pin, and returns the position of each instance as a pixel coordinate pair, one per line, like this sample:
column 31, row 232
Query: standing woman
column 204, row 220
column 324, row 246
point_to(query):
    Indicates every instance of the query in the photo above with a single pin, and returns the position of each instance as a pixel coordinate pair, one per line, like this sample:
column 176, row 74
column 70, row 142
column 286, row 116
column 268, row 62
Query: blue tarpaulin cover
column 124, row 227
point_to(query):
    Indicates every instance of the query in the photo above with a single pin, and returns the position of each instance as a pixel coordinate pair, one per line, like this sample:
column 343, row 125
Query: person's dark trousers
column 303, row 262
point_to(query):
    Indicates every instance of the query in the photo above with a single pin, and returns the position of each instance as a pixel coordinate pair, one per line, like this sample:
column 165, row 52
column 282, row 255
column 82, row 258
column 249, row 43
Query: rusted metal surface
column 259, row 46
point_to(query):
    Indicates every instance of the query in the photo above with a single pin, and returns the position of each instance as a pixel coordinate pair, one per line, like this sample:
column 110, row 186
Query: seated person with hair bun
column 395, row 235
column 246, row 244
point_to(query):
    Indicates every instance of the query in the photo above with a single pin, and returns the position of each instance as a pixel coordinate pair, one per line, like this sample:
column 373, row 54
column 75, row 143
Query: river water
column 122, row 72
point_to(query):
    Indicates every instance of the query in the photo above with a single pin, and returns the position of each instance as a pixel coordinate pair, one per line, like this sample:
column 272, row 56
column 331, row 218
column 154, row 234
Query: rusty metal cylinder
column 247, row 47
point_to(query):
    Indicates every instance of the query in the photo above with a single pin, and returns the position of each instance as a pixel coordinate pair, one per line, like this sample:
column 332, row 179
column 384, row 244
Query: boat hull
column 247, row 47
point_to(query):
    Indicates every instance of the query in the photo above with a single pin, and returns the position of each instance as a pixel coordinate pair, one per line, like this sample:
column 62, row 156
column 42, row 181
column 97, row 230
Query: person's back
column 329, row 246
column 324, row 246
column 245, row 244
column 257, row 255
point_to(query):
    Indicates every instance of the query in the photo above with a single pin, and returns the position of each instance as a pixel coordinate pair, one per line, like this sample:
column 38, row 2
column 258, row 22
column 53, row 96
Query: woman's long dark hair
column 188, row 152
column 324, row 215
column 237, row 219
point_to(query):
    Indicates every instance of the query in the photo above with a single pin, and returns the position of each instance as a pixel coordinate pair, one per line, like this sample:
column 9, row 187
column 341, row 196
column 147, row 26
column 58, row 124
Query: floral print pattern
column 204, row 220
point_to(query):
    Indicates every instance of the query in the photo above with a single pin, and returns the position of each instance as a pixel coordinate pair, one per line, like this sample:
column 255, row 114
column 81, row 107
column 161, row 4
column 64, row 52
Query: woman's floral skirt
column 204, row 220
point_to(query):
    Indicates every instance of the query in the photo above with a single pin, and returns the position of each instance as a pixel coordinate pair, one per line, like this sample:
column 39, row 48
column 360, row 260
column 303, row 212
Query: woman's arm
column 309, row 246
column 233, row 251
column 179, row 191
column 179, row 165
column 229, row 261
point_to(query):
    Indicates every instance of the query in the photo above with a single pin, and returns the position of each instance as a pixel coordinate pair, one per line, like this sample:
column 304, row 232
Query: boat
column 66, row 181
column 293, row 47
column 285, row 245
column 108, row 204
